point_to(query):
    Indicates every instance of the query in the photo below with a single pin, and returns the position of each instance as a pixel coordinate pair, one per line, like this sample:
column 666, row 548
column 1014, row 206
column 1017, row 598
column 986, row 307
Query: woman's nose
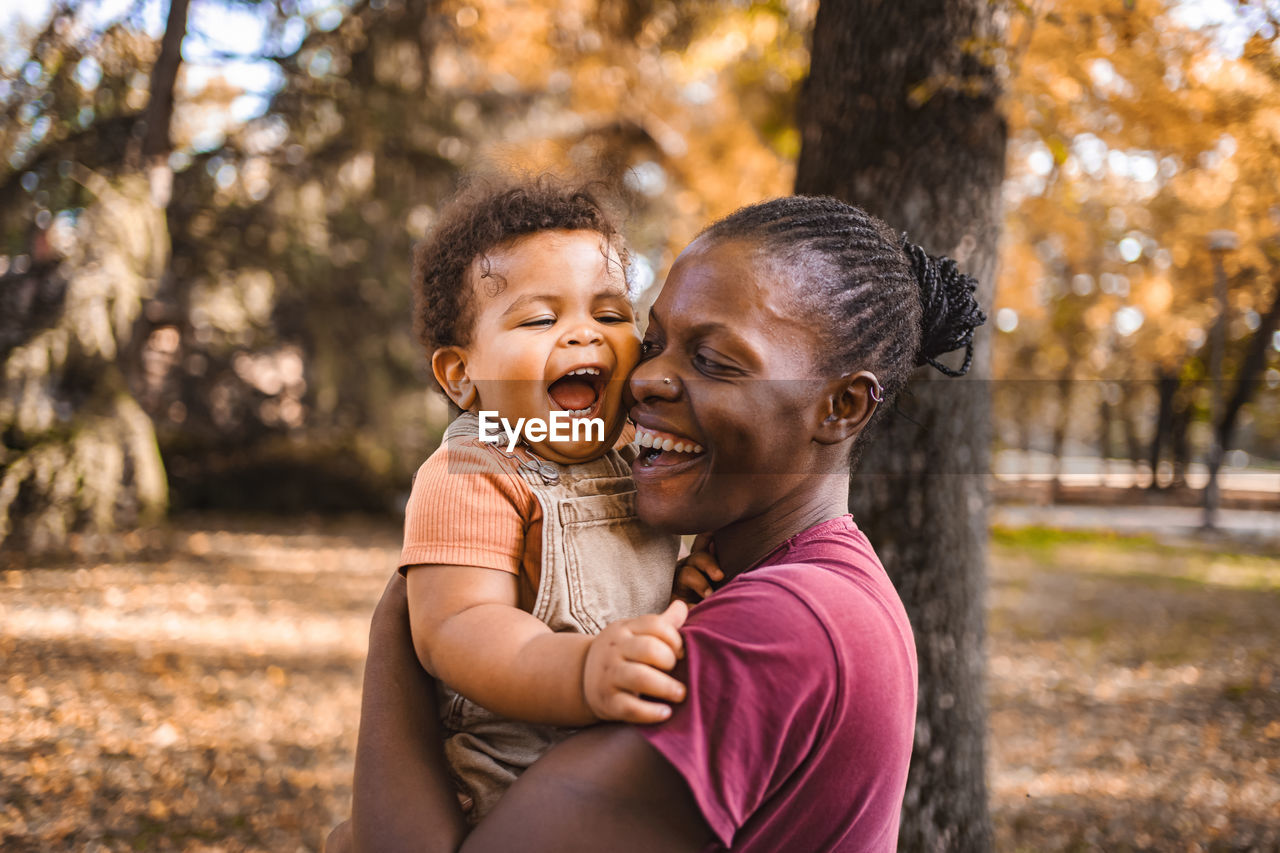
column 651, row 381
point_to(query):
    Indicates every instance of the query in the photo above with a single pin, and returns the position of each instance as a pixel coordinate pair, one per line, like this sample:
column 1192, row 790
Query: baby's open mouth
column 665, row 448
column 579, row 391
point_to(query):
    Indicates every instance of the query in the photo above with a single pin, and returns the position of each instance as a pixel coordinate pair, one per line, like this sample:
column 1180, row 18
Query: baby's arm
column 470, row 633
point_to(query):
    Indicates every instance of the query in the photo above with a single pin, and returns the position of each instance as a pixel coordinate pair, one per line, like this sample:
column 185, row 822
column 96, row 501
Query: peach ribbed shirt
column 469, row 507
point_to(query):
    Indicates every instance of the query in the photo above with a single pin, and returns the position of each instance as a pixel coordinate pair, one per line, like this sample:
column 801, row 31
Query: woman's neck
column 742, row 544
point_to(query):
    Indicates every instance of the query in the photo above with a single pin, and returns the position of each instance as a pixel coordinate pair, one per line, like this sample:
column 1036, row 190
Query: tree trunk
column 1061, row 422
column 900, row 116
column 1130, row 416
column 156, row 143
column 1180, row 438
column 163, row 307
column 1167, row 383
column 1246, row 383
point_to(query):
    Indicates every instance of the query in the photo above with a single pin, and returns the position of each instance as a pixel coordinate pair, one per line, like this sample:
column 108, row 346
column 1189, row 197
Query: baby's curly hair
column 483, row 216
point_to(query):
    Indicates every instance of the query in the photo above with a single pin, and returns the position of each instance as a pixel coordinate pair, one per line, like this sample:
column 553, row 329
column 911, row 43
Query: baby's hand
column 696, row 572
column 626, row 667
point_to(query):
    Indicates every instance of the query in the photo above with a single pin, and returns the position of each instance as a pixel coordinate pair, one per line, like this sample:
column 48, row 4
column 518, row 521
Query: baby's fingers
column 632, row 709
column 664, row 626
column 642, row 680
column 692, row 580
column 703, row 562
column 648, row 650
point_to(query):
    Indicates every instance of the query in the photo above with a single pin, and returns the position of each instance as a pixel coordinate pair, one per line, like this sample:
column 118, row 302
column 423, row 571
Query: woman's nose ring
column 666, row 381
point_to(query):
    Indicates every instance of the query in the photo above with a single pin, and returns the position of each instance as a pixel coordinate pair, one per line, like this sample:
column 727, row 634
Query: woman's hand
column 627, row 664
column 696, row 573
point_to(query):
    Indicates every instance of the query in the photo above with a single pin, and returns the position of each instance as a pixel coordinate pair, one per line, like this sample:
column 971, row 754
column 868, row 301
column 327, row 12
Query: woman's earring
column 877, row 392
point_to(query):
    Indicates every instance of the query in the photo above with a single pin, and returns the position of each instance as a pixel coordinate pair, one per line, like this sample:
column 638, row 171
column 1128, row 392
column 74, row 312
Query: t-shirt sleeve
column 762, row 679
column 466, row 509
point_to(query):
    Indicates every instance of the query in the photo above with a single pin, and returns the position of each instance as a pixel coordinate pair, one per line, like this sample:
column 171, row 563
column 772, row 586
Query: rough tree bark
column 900, row 116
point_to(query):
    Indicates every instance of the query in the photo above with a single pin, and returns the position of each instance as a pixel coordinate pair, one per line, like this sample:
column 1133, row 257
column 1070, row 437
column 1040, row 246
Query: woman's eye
column 709, row 365
column 538, row 323
column 648, row 348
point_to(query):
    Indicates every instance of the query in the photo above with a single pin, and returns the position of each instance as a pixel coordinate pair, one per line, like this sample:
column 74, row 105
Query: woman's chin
column 668, row 507
column 669, row 488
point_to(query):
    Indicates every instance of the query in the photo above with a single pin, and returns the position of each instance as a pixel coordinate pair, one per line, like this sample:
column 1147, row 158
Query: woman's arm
column 605, row 788
column 402, row 798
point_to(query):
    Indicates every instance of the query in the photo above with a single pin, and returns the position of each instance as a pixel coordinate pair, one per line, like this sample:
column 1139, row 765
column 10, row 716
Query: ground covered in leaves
column 202, row 698
column 1133, row 692
column 203, row 694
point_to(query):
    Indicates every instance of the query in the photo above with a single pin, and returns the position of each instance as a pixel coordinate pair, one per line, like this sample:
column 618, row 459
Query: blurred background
column 212, row 400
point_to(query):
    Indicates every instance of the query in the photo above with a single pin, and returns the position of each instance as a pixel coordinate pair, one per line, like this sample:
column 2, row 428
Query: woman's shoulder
column 831, row 588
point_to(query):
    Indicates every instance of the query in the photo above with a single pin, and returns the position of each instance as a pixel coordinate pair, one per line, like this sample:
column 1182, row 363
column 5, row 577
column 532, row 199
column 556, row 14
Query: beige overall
column 599, row 564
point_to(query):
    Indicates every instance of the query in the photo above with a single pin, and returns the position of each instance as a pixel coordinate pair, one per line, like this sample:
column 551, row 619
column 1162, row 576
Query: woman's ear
column 449, row 364
column 850, row 402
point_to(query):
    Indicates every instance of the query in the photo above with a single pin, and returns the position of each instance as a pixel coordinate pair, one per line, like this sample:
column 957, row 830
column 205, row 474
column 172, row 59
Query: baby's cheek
column 627, row 352
column 613, row 410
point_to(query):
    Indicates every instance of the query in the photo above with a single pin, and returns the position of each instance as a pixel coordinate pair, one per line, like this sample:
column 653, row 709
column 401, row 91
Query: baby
column 518, row 555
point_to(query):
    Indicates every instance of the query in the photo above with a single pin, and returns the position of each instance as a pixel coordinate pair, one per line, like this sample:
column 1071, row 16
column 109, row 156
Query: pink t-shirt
column 797, row 730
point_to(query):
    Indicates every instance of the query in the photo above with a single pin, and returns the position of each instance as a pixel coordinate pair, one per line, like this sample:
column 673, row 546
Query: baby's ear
column 449, row 364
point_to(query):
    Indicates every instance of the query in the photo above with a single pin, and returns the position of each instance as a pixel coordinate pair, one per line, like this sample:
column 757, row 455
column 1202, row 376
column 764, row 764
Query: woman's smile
column 664, row 453
column 658, row 441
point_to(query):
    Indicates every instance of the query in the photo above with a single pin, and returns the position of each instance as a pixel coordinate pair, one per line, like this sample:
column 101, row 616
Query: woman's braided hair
column 887, row 305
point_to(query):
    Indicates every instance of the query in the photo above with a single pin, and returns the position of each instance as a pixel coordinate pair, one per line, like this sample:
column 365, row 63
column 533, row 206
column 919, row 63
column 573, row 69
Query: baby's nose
column 583, row 335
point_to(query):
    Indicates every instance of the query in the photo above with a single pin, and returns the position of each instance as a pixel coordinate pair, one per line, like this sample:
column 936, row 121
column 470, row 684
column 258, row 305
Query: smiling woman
column 777, row 334
column 726, row 372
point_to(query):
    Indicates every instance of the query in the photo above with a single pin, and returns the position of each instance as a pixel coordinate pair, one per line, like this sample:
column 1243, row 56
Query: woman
column 779, row 331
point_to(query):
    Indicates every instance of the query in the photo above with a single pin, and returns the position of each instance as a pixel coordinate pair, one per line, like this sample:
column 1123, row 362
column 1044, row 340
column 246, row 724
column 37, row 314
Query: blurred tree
column 899, row 116
column 1246, row 385
column 299, row 383
column 78, row 450
column 1136, row 131
column 275, row 356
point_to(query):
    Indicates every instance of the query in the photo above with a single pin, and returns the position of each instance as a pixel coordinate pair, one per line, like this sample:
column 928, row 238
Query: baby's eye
column 612, row 318
column 538, row 323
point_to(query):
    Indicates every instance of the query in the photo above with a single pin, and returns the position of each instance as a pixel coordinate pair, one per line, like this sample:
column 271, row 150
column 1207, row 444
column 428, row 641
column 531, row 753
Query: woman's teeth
column 656, row 441
column 584, row 371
